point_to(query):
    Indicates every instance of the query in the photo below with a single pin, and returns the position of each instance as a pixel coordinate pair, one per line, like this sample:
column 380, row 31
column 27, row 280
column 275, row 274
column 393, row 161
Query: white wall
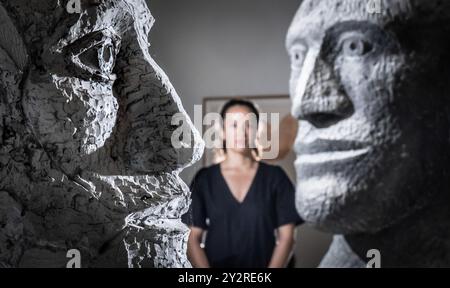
column 228, row 48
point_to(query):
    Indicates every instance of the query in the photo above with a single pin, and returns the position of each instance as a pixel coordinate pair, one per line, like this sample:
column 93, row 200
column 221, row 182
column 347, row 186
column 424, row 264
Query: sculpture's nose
column 162, row 137
column 159, row 135
column 323, row 101
column 185, row 139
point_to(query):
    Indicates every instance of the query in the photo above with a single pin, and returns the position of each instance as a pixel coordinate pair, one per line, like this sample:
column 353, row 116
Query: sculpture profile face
column 370, row 91
column 95, row 82
column 86, row 135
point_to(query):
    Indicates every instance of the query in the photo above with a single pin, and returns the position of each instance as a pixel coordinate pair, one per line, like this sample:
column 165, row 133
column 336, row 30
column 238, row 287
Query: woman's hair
column 243, row 103
column 239, row 102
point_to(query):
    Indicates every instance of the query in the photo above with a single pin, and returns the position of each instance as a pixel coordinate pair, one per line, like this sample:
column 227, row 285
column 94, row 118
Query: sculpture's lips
column 321, row 151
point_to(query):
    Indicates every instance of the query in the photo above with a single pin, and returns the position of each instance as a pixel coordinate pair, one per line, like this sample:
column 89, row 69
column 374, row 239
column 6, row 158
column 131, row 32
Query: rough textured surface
column 371, row 93
column 86, row 160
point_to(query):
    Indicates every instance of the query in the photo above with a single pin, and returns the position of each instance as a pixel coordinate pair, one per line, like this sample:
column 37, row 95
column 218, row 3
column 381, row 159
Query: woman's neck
column 237, row 159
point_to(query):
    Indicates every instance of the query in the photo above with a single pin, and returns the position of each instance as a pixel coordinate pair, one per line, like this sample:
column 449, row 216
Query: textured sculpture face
column 86, row 138
column 371, row 93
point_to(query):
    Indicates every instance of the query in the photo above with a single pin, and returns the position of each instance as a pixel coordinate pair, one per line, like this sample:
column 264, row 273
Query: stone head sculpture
column 86, row 159
column 370, row 88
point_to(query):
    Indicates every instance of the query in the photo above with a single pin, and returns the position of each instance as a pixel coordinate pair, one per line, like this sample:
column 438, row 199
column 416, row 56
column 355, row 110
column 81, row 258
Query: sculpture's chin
column 333, row 214
column 159, row 243
column 353, row 196
column 154, row 243
column 318, row 199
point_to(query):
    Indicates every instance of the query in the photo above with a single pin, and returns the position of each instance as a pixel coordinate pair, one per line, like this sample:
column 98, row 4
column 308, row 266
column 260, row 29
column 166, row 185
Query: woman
column 246, row 207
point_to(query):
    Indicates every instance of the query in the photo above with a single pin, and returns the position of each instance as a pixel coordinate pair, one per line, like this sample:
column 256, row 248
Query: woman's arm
column 283, row 249
column 195, row 253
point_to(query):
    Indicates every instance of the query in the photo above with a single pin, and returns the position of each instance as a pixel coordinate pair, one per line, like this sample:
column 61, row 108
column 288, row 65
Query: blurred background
column 220, row 49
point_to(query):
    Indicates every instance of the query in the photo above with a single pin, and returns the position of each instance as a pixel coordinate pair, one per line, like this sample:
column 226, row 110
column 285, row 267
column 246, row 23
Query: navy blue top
column 241, row 234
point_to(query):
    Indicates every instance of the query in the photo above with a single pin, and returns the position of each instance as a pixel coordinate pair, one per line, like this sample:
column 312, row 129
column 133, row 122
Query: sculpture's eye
column 95, row 55
column 100, row 58
column 297, row 54
column 355, row 46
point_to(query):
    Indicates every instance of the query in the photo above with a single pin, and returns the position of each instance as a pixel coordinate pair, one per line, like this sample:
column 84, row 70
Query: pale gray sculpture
column 86, row 159
column 370, row 86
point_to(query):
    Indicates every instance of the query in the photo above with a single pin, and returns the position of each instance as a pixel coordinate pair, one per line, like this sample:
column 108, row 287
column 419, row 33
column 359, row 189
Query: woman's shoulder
column 206, row 171
column 204, row 178
column 274, row 172
column 271, row 168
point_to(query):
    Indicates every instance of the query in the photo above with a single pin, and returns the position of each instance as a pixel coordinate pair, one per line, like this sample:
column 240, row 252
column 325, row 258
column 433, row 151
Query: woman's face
column 240, row 128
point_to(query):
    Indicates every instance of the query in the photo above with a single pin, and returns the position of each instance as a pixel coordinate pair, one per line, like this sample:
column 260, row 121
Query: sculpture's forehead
column 48, row 23
column 114, row 12
column 119, row 15
column 41, row 18
column 315, row 17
